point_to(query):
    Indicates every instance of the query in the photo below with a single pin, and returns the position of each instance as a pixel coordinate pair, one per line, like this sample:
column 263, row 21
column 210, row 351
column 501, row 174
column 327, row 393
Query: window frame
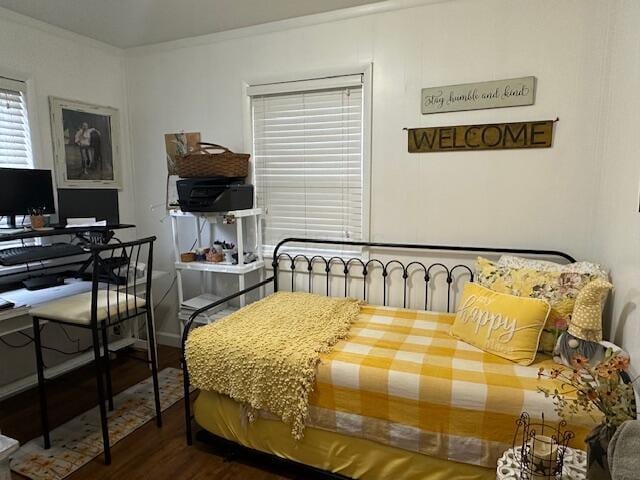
column 29, row 90
column 366, row 72
column 32, row 117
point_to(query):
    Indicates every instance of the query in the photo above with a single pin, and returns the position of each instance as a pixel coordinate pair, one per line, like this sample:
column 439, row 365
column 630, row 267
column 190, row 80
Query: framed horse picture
column 86, row 145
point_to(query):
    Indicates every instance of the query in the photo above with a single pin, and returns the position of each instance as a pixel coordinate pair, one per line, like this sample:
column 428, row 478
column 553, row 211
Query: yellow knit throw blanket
column 265, row 354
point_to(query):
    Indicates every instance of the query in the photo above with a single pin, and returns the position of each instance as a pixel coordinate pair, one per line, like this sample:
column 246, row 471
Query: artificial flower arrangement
column 599, row 387
column 587, row 388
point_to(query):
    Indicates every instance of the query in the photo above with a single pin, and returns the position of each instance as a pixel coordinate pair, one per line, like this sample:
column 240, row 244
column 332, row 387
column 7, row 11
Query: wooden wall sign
column 511, row 92
column 492, row 136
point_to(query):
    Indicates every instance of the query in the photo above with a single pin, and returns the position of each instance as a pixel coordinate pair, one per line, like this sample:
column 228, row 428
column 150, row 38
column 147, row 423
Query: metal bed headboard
column 365, row 270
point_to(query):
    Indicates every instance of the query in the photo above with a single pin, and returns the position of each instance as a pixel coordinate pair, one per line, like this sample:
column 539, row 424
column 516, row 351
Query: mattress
column 401, row 386
column 401, row 380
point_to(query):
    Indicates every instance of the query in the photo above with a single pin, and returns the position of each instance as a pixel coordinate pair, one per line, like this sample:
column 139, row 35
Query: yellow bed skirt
column 349, row 456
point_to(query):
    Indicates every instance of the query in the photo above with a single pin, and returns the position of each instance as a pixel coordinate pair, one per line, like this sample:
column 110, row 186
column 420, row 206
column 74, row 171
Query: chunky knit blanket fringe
column 265, row 354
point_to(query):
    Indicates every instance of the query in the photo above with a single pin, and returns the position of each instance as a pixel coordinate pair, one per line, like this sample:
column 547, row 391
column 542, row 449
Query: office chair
column 113, row 299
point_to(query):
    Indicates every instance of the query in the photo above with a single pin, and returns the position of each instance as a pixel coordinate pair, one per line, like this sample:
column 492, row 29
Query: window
column 15, row 141
column 309, row 157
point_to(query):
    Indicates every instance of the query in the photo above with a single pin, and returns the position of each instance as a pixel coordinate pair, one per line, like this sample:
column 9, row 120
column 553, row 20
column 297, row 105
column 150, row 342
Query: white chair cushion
column 77, row 308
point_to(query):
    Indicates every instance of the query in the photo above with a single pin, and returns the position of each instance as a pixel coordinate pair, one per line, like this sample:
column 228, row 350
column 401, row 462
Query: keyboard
column 37, row 253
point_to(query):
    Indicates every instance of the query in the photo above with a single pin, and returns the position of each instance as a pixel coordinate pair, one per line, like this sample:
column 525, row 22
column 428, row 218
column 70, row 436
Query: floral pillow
column 559, row 288
column 513, row 261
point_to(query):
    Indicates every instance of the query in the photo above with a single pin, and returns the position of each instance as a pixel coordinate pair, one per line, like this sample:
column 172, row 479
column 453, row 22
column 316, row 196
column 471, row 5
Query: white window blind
column 15, row 141
column 308, row 156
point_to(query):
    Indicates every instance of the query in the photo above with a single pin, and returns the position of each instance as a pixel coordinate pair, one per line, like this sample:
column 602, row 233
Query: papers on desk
column 31, row 298
column 85, row 222
column 13, row 309
column 6, row 304
column 12, row 231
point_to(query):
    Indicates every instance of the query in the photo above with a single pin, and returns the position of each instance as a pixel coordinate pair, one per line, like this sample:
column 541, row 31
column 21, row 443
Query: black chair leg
column 101, row 399
column 151, row 344
column 187, row 403
column 107, row 366
column 44, row 416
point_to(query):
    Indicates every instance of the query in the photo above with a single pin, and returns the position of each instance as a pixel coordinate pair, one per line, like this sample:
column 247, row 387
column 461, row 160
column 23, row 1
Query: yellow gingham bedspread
column 400, row 379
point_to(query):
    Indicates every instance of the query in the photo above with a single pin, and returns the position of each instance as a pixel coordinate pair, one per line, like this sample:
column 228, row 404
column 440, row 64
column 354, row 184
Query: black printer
column 214, row 194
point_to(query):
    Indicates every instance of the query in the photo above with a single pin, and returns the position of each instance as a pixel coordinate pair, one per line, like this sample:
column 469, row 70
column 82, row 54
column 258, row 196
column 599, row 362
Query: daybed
column 400, row 398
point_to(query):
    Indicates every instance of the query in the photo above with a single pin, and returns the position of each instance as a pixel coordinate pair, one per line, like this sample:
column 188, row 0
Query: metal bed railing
column 356, row 267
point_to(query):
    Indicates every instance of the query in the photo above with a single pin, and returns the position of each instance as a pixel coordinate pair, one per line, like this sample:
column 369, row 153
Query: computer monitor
column 98, row 203
column 25, row 189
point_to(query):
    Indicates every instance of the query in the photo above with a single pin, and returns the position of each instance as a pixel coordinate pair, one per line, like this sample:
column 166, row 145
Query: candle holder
column 540, row 448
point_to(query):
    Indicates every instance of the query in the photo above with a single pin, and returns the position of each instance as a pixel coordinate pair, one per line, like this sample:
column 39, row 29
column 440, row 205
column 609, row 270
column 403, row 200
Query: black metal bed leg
column 107, row 366
column 151, row 344
column 101, row 400
column 187, row 402
column 44, row 416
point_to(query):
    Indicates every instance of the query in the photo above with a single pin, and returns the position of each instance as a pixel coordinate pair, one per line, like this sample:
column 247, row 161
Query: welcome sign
column 491, row 136
column 512, row 92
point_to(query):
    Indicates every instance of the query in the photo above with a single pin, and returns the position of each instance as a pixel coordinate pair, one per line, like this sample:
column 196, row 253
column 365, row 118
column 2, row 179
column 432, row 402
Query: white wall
column 520, row 198
column 618, row 227
column 61, row 64
column 580, row 196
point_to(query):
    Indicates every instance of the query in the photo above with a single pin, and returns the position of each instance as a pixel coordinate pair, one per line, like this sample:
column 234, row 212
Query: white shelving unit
column 240, row 269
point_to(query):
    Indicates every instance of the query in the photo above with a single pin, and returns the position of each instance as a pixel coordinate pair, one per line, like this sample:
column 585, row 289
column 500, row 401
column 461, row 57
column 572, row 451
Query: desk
column 60, row 230
column 17, row 319
column 57, row 230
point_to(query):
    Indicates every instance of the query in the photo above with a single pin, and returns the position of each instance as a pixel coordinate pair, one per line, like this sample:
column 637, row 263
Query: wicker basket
column 204, row 163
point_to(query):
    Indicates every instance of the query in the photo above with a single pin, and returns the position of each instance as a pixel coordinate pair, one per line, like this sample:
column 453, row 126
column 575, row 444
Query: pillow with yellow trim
column 505, row 325
column 559, row 288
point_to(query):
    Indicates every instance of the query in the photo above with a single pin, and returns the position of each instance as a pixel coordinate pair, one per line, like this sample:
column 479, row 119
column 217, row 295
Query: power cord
column 173, row 282
column 175, row 277
column 45, row 347
column 10, row 345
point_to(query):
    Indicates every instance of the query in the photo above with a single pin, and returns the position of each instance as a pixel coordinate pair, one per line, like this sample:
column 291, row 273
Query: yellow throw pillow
column 505, row 325
column 559, row 288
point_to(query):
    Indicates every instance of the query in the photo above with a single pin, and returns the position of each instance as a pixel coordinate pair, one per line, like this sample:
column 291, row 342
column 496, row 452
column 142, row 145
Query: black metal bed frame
column 365, row 270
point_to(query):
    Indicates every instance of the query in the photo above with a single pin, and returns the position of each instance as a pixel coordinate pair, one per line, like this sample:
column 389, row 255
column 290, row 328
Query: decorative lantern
column 540, row 448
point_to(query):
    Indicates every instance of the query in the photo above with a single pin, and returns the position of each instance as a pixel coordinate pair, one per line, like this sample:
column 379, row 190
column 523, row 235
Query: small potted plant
column 588, row 389
column 37, row 218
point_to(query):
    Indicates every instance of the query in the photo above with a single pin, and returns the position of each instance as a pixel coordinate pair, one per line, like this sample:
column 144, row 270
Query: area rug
column 79, row 441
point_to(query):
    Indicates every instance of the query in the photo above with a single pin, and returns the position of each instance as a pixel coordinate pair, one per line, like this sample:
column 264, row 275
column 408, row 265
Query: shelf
column 249, row 212
column 58, row 230
column 220, row 267
column 59, row 369
column 205, row 319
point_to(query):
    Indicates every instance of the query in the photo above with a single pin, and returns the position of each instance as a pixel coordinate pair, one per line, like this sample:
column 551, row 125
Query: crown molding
column 281, row 25
column 14, row 17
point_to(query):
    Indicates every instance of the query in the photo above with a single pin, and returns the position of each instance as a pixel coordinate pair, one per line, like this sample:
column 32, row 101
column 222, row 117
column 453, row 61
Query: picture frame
column 86, row 144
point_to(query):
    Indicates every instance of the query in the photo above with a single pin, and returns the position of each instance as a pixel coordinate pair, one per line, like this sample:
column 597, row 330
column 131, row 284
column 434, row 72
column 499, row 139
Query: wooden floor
column 149, row 452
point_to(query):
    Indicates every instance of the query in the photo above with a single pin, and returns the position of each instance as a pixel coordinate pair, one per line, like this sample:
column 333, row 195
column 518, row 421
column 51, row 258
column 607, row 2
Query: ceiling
column 131, row 23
